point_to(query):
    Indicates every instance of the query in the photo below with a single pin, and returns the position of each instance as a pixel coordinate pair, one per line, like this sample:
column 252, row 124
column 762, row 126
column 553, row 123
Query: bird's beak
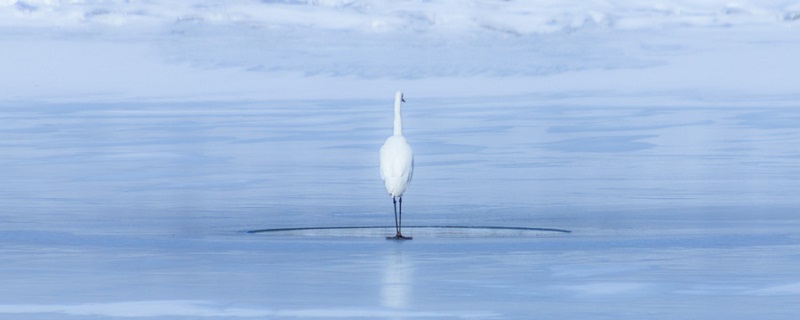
column 402, row 99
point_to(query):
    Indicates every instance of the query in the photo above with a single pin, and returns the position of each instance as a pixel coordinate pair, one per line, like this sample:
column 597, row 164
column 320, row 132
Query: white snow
column 141, row 139
column 113, row 50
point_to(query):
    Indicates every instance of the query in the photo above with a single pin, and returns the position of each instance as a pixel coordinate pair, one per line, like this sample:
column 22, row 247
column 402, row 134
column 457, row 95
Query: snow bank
column 123, row 50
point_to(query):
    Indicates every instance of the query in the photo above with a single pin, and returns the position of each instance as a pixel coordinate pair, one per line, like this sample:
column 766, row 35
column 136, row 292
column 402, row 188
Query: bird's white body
column 397, row 158
column 397, row 165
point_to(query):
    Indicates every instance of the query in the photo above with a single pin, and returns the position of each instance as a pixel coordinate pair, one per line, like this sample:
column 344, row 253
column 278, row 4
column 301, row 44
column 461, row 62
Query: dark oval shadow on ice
column 420, row 231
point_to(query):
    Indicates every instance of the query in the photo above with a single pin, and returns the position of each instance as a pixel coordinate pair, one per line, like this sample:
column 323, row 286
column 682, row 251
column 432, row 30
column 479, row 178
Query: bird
column 397, row 166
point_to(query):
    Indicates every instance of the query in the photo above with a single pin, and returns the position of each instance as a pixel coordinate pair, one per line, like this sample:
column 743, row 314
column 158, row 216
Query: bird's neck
column 398, row 122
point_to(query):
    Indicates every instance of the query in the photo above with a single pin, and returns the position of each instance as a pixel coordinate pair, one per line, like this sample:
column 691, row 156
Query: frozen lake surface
column 647, row 156
column 141, row 210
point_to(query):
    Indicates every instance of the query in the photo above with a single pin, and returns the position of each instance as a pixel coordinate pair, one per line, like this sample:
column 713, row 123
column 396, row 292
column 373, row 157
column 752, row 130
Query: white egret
column 397, row 165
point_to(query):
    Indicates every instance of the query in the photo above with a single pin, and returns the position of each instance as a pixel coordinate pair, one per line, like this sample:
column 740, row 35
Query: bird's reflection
column 396, row 282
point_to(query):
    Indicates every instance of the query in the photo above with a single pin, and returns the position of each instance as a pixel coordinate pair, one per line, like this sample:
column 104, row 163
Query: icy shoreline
column 135, row 51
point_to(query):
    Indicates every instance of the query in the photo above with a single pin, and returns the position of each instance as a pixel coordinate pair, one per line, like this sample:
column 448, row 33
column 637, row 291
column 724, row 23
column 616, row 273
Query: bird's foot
column 399, row 236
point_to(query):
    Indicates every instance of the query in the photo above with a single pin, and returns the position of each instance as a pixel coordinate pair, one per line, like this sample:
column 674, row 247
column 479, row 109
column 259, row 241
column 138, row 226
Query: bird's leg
column 396, row 221
column 400, row 222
